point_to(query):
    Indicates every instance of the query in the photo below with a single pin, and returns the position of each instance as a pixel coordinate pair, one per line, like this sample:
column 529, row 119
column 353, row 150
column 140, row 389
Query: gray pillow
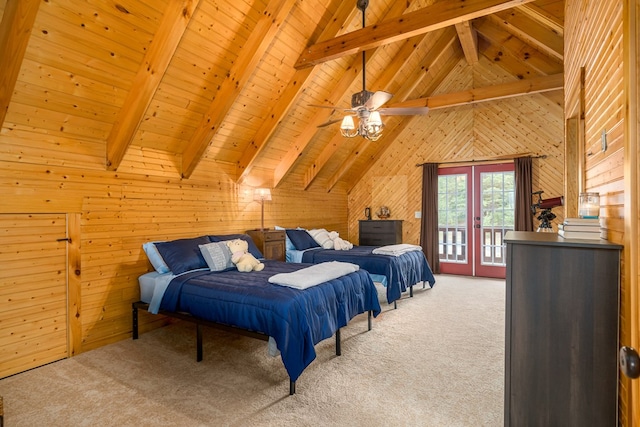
column 217, row 255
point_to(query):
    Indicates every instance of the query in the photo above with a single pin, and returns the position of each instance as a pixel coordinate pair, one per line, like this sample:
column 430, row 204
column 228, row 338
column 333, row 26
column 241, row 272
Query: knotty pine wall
column 595, row 41
column 144, row 200
column 510, row 127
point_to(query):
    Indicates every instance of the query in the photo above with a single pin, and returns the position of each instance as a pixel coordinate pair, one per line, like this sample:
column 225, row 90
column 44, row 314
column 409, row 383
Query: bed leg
column 199, row 342
column 292, row 388
column 411, row 291
column 134, row 319
column 369, row 320
column 395, row 305
column 338, row 346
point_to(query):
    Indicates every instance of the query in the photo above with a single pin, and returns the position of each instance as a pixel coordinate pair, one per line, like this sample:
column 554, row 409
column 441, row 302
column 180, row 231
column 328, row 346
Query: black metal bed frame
column 233, row 329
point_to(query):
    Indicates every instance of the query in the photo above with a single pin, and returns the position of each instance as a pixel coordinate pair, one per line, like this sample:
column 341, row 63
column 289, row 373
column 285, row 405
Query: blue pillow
column 253, row 249
column 302, row 240
column 183, row 254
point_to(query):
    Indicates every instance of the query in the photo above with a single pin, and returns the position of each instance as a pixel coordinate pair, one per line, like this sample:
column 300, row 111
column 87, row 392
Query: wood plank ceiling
column 235, row 80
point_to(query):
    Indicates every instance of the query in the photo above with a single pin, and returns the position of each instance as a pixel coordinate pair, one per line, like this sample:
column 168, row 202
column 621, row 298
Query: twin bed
column 398, row 270
column 195, row 280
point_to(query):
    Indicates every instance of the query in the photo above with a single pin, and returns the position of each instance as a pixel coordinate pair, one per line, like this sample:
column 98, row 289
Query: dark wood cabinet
column 270, row 242
column 561, row 363
column 380, row 232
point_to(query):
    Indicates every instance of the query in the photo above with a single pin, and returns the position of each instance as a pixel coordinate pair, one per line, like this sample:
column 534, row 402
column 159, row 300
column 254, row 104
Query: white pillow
column 321, row 236
column 217, row 256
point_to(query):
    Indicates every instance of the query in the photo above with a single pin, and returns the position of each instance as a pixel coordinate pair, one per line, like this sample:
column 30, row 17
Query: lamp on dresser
column 261, row 195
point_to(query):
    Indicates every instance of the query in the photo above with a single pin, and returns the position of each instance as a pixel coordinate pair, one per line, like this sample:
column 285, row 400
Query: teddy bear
column 241, row 257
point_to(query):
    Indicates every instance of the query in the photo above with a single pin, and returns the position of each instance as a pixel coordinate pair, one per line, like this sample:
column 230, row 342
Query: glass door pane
column 454, row 225
column 496, row 212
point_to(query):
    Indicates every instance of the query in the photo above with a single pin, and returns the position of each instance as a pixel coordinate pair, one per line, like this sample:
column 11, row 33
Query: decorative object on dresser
column 383, row 213
column 561, row 355
column 580, row 228
column 270, row 242
column 261, row 195
column 380, row 232
column 546, row 216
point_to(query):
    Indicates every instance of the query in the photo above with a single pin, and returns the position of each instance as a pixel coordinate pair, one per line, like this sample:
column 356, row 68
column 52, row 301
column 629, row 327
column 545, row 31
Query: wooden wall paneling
column 571, row 169
column 74, row 284
column 595, row 42
column 630, row 390
column 15, row 30
column 33, row 288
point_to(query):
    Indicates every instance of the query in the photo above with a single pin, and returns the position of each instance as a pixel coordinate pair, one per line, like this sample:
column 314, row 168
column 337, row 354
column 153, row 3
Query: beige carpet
column 438, row 360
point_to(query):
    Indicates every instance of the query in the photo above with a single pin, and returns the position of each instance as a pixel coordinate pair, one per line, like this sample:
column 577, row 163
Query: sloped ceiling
column 235, row 81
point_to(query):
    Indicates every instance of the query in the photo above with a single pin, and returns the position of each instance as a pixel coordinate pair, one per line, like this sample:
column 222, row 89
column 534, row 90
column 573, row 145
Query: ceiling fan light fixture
column 374, row 119
column 348, row 128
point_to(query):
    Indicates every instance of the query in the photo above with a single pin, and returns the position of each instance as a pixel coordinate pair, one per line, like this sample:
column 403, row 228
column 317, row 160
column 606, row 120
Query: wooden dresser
column 561, row 364
column 270, row 242
column 380, row 232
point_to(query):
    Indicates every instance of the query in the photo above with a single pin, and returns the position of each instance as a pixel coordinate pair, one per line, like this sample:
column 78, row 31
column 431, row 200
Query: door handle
column 629, row 362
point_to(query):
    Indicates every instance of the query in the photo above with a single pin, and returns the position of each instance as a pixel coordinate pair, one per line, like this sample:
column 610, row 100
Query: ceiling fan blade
column 408, row 111
column 377, row 100
column 330, row 122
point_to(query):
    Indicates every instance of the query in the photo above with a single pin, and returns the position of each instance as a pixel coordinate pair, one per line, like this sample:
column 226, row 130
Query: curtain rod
column 543, row 156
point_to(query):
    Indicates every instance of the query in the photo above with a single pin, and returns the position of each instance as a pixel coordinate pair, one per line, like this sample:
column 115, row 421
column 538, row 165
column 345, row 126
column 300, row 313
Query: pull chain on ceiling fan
column 366, row 105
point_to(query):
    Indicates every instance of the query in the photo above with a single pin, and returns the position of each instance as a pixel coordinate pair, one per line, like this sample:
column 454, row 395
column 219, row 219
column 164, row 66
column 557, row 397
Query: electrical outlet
column 418, row 214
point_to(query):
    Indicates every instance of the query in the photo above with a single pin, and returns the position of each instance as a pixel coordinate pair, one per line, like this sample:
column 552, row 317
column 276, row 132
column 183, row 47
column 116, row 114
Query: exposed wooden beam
column 542, row 16
column 242, row 69
column 439, row 15
column 322, row 115
column 491, row 93
column 503, row 48
column 531, row 31
column 443, row 43
column 164, row 44
column 15, row 29
column 469, row 41
column 296, row 84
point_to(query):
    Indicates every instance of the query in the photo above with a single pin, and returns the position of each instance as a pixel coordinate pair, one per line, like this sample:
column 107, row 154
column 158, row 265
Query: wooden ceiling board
column 82, row 58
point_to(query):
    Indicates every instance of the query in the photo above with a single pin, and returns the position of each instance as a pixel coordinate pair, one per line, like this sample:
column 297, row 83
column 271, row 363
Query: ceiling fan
column 366, row 105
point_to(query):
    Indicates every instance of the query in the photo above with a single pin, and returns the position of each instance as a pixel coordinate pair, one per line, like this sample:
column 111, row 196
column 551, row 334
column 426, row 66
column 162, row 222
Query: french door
column 476, row 206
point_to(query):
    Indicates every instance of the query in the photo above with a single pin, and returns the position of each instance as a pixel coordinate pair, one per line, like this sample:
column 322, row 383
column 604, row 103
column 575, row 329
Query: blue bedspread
column 296, row 319
column 401, row 272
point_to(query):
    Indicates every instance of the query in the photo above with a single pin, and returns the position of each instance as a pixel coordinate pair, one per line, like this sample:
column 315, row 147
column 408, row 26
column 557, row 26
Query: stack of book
column 580, row 228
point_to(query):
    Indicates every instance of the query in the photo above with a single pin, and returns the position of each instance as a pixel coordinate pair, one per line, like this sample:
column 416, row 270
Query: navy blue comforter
column 401, row 272
column 296, row 319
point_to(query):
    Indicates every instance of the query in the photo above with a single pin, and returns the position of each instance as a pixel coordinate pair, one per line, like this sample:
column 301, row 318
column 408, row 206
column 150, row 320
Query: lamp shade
column 261, row 194
column 375, row 119
column 347, row 123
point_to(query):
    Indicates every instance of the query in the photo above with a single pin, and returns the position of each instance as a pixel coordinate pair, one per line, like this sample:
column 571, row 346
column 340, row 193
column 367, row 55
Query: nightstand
column 270, row 242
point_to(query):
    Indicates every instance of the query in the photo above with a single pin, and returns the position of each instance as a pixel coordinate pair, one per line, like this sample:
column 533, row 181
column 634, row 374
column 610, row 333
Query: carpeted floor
column 438, row 360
